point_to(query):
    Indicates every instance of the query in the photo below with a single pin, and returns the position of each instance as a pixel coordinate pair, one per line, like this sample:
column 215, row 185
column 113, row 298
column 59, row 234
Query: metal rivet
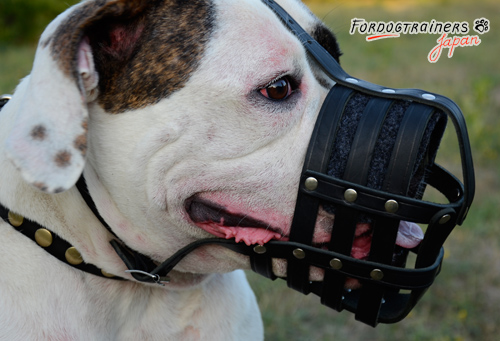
column 350, row 195
column 336, row 264
column 444, row 219
column 391, row 206
column 43, row 237
column 259, row 249
column 73, row 256
column 377, row 274
column 311, row 183
column 389, row 91
column 429, row 96
column 299, row 253
column 15, row 219
column 107, row 274
column 352, row 80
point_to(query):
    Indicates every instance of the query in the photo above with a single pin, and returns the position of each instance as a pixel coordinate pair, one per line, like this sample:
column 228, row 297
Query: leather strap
column 317, row 158
column 58, row 247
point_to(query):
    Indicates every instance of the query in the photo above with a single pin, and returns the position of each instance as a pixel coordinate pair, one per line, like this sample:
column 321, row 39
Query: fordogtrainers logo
column 452, row 34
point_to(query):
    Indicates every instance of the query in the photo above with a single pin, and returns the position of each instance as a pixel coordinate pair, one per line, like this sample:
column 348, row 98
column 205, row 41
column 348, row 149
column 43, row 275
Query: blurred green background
column 464, row 302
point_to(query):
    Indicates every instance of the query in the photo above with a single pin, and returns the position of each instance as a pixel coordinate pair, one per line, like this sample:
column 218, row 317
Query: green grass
column 464, row 302
column 15, row 64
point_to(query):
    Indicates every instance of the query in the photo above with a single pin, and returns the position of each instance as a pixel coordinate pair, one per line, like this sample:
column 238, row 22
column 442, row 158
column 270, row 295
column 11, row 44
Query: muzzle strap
column 356, row 170
column 397, row 180
column 317, row 158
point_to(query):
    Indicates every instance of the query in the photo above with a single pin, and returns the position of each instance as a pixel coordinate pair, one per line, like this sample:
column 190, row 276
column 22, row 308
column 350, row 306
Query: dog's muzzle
column 369, row 160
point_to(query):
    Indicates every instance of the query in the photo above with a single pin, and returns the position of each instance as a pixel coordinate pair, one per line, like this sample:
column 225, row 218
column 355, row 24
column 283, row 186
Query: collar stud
column 43, row 237
column 15, row 219
column 73, row 256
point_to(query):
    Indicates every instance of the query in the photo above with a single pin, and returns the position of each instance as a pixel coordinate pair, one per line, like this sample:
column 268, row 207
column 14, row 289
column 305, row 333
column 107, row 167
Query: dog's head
column 191, row 118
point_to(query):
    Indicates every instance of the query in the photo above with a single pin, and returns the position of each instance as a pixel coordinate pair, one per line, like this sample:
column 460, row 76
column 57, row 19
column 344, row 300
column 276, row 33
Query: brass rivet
column 259, row 249
column 299, row 253
column 336, row 264
column 107, row 274
column 391, row 206
column 444, row 219
column 377, row 274
column 350, row 195
column 15, row 219
column 73, row 256
column 43, row 237
column 311, row 183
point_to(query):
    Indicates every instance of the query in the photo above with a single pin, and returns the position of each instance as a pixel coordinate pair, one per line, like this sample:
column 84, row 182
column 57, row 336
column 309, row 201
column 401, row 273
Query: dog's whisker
column 243, row 218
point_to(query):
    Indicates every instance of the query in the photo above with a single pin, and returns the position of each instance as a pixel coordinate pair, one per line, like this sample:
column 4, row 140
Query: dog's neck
column 63, row 213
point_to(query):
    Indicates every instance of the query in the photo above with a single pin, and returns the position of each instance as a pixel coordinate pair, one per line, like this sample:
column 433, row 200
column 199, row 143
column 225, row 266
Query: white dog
column 172, row 110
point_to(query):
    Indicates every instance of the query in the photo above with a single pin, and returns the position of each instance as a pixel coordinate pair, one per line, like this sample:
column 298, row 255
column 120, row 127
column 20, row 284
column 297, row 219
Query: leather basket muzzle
column 370, row 158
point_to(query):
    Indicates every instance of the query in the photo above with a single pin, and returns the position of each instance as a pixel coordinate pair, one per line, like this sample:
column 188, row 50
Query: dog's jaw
column 218, row 221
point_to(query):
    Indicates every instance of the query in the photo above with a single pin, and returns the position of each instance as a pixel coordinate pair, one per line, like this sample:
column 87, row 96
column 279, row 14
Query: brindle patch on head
column 327, row 39
column 39, row 132
column 66, row 39
column 63, row 159
column 143, row 50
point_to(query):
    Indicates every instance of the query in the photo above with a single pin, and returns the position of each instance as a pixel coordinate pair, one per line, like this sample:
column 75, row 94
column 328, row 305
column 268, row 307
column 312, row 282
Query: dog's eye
column 278, row 90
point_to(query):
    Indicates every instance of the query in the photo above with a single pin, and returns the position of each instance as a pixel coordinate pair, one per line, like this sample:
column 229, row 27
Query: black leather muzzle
column 369, row 160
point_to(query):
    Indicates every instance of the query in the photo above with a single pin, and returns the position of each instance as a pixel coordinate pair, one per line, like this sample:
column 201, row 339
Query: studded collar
column 51, row 242
column 65, row 252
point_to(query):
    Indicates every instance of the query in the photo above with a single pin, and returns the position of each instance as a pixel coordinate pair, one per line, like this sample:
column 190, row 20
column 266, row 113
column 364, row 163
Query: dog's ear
column 48, row 142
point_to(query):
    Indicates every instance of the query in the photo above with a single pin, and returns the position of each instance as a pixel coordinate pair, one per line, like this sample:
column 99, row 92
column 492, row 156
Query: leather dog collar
column 68, row 254
column 52, row 243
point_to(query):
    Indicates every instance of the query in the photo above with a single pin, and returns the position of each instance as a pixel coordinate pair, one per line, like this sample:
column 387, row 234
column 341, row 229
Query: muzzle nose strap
column 317, row 158
column 356, row 170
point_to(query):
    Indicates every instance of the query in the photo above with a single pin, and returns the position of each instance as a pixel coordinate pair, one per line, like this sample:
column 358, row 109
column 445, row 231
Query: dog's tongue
column 409, row 236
